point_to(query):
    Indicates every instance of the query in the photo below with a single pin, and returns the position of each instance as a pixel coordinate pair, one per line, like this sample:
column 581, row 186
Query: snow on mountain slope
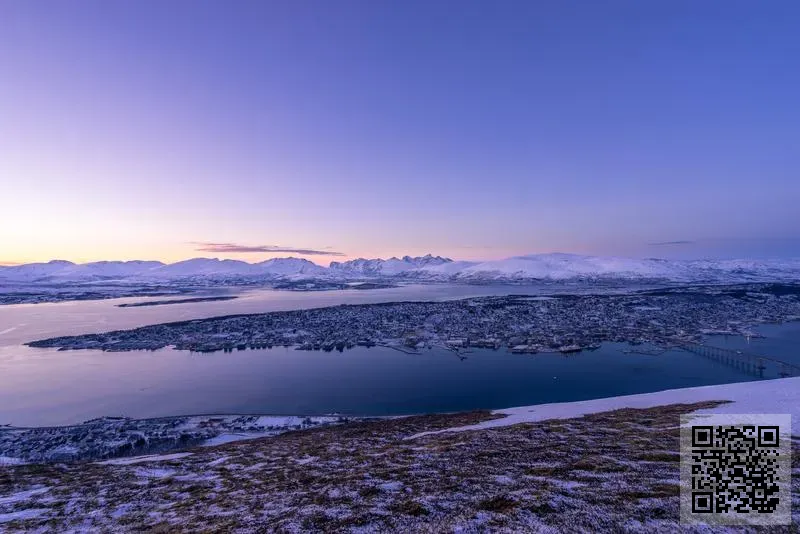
column 748, row 269
column 559, row 266
column 443, row 270
column 554, row 267
column 115, row 269
column 34, row 271
column 60, row 270
column 391, row 267
column 567, row 266
column 205, row 267
column 290, row 267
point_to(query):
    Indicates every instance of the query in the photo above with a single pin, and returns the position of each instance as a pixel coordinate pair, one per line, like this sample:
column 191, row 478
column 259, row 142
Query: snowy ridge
column 551, row 267
column 571, row 266
column 291, row 266
column 391, row 267
column 60, row 271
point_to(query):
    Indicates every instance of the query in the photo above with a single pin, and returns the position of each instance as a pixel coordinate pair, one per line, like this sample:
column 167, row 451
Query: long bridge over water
column 744, row 361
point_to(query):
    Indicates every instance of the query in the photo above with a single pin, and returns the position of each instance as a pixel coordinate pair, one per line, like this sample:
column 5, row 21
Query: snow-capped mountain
column 216, row 268
column 35, row 271
column 61, row 270
column 441, row 271
column 391, row 267
column 105, row 269
column 291, row 267
column 558, row 266
column 550, row 267
column 205, row 267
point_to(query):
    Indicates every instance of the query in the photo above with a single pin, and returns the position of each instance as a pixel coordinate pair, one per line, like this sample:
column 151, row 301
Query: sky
column 336, row 129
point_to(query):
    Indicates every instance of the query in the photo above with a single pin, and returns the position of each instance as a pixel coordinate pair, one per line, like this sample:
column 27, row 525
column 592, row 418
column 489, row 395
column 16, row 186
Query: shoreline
column 113, row 437
column 192, row 300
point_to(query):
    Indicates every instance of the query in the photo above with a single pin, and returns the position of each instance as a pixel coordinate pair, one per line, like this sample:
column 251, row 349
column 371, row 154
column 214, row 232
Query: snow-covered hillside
column 550, row 267
column 572, row 266
column 65, row 271
column 568, row 266
column 60, row 271
column 204, row 267
column 390, row 267
column 291, row 267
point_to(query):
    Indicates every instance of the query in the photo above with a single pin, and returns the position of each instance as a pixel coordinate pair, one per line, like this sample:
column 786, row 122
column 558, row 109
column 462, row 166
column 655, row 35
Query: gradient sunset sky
column 172, row 129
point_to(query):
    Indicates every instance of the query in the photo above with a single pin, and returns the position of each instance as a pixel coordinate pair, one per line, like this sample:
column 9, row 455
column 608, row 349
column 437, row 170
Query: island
column 175, row 301
column 328, row 285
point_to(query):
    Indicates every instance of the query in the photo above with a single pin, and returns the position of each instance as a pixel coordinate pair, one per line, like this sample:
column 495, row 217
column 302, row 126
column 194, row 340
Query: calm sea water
column 47, row 387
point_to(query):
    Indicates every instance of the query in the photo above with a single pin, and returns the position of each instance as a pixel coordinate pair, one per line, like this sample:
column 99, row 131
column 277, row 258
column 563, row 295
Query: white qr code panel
column 736, row 469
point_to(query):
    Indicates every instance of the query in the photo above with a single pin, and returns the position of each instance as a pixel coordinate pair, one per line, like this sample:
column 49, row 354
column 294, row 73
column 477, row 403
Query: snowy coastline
column 570, row 467
column 120, row 437
column 779, row 396
column 109, row 438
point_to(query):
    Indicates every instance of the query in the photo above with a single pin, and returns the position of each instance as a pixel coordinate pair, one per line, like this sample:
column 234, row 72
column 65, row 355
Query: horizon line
column 7, row 264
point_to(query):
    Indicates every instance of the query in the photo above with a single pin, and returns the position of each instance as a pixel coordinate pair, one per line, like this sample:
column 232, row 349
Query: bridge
column 744, row 361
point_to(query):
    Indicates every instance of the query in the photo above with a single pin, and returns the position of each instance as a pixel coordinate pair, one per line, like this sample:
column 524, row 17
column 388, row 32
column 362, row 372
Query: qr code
column 735, row 469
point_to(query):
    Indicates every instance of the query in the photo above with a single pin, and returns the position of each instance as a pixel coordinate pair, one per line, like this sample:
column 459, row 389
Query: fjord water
column 50, row 387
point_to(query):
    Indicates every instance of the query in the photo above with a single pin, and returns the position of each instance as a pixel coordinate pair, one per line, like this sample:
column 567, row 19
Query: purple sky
column 150, row 129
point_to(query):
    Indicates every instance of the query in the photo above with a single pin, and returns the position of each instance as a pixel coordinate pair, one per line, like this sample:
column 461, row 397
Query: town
column 563, row 323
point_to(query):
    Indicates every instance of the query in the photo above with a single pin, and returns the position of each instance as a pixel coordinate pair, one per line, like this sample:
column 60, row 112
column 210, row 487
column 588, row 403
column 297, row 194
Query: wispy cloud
column 222, row 248
column 9, row 263
column 671, row 243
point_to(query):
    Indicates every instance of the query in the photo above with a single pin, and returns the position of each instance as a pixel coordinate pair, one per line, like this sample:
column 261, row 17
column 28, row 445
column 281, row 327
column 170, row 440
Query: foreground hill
column 541, row 469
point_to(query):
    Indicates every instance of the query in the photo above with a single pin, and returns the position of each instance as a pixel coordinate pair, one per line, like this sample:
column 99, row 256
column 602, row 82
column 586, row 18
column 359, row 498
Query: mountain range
column 555, row 266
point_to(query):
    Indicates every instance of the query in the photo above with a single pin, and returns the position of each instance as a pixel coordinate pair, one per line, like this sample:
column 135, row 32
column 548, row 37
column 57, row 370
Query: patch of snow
column 197, row 477
column 391, row 486
column 779, row 396
column 218, row 461
column 231, row 437
column 271, row 421
column 150, row 472
column 21, row 515
column 22, row 495
column 147, row 458
column 568, row 485
column 9, row 460
column 121, row 510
